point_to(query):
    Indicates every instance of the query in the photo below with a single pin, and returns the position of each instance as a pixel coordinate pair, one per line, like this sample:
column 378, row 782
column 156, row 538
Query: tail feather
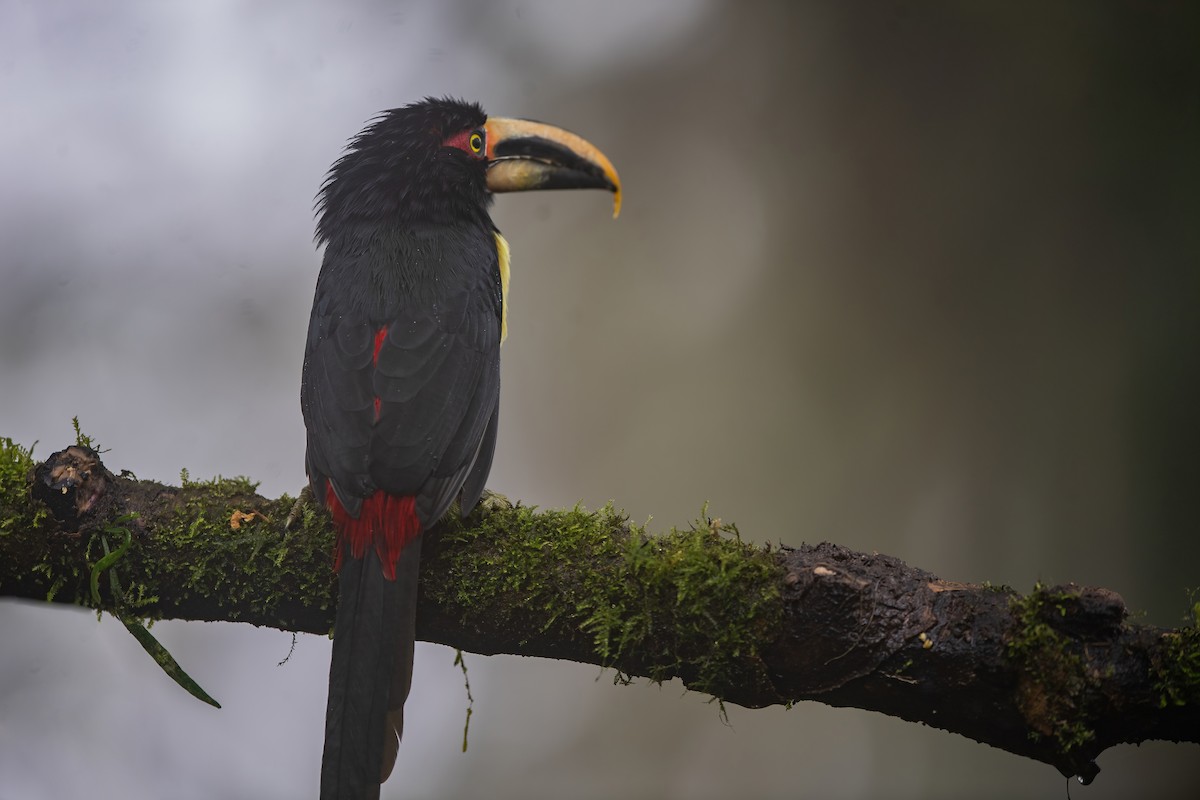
column 407, row 570
column 370, row 671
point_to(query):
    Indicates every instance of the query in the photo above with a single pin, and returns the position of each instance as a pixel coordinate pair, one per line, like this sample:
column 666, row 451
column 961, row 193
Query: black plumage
column 401, row 385
column 410, row 247
column 411, row 258
column 437, row 372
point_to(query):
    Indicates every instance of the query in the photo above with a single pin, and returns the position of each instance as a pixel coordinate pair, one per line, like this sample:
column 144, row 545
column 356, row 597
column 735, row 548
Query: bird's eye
column 476, row 142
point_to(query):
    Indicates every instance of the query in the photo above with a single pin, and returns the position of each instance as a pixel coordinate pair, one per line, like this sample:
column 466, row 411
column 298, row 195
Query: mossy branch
column 1058, row 675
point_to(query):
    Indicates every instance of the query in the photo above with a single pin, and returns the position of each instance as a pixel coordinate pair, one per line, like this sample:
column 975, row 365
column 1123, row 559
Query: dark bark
column 1058, row 675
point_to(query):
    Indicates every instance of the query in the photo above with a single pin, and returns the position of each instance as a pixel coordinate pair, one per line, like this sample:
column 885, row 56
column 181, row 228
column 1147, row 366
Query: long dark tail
column 370, row 672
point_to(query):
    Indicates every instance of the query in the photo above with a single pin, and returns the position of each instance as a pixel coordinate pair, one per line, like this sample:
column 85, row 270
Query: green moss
column 235, row 551
column 20, row 514
column 83, row 440
column 695, row 602
column 1054, row 682
column 1176, row 667
column 17, row 510
column 61, row 569
column 219, row 486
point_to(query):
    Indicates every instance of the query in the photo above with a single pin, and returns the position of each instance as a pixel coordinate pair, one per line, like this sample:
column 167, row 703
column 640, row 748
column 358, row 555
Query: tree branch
column 1058, row 675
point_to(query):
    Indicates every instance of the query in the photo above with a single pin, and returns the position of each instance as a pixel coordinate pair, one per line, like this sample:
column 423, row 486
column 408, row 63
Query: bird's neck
column 385, row 266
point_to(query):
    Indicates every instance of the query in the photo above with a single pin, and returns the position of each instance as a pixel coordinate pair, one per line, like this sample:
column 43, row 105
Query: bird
column 400, row 391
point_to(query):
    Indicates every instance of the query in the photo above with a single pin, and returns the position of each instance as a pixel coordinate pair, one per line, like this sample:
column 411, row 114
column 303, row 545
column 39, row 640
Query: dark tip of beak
column 570, row 169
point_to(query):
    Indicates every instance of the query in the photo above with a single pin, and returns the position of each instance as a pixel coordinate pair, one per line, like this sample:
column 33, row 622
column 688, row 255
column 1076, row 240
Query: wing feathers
column 435, row 380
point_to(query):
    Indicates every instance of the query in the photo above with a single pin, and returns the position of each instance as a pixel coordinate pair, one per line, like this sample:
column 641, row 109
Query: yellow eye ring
column 476, row 142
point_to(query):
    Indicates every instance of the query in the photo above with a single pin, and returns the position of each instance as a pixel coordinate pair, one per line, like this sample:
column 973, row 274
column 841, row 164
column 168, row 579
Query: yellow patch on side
column 502, row 251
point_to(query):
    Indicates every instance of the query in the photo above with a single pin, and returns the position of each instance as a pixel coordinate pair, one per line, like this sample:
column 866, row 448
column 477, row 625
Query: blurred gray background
column 915, row 278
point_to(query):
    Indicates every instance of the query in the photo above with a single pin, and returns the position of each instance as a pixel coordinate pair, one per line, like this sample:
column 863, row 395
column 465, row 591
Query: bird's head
column 441, row 160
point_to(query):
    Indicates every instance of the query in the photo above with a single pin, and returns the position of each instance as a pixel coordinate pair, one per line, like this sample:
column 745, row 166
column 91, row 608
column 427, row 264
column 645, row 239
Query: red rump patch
column 386, row 521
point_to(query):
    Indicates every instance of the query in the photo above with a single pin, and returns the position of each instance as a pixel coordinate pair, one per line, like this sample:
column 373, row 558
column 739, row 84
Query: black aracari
column 401, row 384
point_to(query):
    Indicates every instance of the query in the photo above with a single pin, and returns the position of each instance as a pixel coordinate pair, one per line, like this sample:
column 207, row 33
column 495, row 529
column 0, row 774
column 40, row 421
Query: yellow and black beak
column 523, row 155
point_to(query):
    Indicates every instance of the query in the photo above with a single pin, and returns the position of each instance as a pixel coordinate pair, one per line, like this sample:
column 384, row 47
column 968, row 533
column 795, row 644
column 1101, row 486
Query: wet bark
column 1057, row 675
